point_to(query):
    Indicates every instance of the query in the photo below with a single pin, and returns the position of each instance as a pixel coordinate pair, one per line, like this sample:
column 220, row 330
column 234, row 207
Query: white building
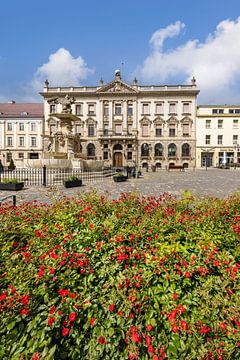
column 218, row 135
column 21, row 128
column 129, row 125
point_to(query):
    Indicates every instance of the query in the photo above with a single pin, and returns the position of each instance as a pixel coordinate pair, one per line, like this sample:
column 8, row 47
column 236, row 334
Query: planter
column 12, row 186
column 120, row 178
column 72, row 183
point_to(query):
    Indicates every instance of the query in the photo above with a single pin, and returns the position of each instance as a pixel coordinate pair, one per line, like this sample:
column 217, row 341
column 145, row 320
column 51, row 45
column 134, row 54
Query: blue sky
column 77, row 42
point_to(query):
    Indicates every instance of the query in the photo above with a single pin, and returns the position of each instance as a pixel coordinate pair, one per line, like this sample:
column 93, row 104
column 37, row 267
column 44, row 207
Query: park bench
column 176, row 167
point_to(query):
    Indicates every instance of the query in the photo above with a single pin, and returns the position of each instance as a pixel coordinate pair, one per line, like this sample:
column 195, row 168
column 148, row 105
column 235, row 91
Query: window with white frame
column 145, row 130
column 158, row 131
column 130, row 108
column 9, row 141
column 33, row 127
column 207, row 139
column 172, row 108
column 172, row 130
column 220, row 124
column 118, row 109
column 9, row 157
column 53, row 108
column 235, row 139
column 145, row 109
column 106, row 109
column 9, row 126
column 91, row 109
column 21, row 126
column 91, row 130
column 78, row 109
column 208, row 124
column 186, row 108
column 33, row 141
column 21, row 141
column 220, row 139
column 105, row 130
column 235, row 123
column 186, row 130
column 159, row 108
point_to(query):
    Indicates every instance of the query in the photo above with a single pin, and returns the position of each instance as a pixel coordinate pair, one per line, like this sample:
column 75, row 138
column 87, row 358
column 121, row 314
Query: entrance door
column 118, row 159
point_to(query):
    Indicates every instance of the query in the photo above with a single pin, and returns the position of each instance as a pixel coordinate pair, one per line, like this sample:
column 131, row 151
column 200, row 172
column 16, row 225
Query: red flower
column 51, row 321
column 174, row 328
column 92, row 321
column 111, row 307
column 175, row 296
column 148, row 340
column 72, row 316
column 35, row 356
column 24, row 311
column 184, row 325
column 222, row 326
column 52, row 310
column 149, row 327
column 24, row 299
column 101, row 340
column 65, row 331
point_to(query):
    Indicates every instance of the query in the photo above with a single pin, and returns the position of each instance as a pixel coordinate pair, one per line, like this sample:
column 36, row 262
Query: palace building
column 129, row 124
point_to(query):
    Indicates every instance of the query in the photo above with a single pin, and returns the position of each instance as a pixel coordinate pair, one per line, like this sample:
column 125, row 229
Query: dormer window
column 24, row 113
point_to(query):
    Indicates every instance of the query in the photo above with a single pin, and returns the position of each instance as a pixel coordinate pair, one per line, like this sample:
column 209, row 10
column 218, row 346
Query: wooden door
column 118, row 159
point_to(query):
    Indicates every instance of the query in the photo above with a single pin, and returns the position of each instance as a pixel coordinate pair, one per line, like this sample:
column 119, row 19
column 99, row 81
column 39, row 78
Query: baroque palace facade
column 130, row 125
column 125, row 125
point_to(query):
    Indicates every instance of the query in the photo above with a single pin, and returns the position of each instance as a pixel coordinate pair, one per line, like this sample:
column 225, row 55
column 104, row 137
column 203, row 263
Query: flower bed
column 93, row 278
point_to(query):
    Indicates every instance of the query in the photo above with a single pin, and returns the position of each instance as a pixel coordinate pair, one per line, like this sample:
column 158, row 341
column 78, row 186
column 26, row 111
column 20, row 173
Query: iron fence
column 50, row 177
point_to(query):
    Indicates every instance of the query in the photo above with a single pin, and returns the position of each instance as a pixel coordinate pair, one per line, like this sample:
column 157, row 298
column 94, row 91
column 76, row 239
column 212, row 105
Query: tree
column 11, row 166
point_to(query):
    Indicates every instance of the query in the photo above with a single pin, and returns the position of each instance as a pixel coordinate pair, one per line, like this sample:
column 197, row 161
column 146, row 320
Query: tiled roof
column 21, row 109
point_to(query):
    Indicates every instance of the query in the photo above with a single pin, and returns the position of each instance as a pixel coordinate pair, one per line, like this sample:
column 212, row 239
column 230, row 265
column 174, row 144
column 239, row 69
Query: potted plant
column 119, row 176
column 11, row 184
column 72, row 181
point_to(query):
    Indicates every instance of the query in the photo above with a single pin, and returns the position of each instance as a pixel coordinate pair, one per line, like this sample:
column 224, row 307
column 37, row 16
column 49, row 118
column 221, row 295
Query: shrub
column 132, row 278
column 72, row 178
column 10, row 181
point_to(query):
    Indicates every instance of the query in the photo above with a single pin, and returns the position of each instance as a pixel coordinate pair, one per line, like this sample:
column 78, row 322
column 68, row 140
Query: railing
column 49, row 177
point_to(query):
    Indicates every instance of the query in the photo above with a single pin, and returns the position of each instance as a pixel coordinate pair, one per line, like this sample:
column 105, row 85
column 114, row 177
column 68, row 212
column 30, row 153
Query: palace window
column 118, row 109
column 145, row 109
column 9, row 126
column 90, row 150
column 53, row 109
column 21, row 141
column 130, row 108
column 235, row 123
column 172, row 108
column 172, row 131
column 235, row 139
column 91, row 109
column 207, row 139
column 172, row 150
column 33, row 126
column 158, row 131
column 186, row 131
column 21, row 126
column 185, row 150
column 118, row 129
column 217, row 111
column 186, row 108
column 145, row 150
column 9, row 141
column 9, row 157
column 158, row 150
column 21, row 155
column 78, row 109
column 208, row 124
column 159, row 108
column 91, row 130
column 220, row 139
column 129, row 155
column 33, row 141
column 105, row 155
column 220, row 124
column 106, row 109
column 145, row 130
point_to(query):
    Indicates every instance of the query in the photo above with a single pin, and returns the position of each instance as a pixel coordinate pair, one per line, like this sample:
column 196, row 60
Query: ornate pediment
column 117, row 86
column 145, row 120
column 172, row 119
column 186, row 119
column 158, row 120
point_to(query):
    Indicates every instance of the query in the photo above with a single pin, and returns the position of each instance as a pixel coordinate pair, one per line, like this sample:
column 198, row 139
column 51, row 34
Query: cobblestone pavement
column 214, row 182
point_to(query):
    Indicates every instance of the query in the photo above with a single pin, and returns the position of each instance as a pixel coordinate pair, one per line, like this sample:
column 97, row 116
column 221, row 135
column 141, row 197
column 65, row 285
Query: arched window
column 145, row 150
column 117, row 147
column 185, row 150
column 91, row 150
column 158, row 150
column 172, row 150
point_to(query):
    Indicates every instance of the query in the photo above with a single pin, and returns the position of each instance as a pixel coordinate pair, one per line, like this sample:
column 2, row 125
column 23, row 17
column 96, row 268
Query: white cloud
column 62, row 69
column 215, row 62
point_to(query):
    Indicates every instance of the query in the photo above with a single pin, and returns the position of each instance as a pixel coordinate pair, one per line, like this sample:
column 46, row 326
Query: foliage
column 72, row 178
column 10, row 181
column 133, row 278
column 1, row 166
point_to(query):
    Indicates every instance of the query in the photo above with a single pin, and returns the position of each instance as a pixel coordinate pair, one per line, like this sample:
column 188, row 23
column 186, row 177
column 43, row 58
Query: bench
column 176, row 167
